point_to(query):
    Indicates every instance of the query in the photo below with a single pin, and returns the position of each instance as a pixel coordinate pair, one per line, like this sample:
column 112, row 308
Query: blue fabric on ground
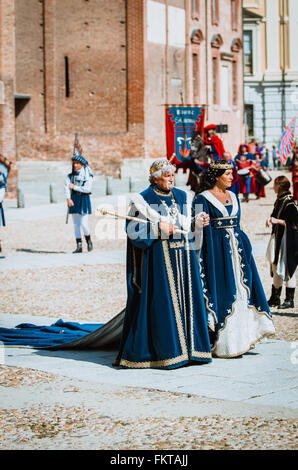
column 41, row 336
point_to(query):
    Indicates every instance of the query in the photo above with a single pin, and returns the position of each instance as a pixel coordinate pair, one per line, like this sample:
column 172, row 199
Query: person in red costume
column 244, row 160
column 214, row 142
column 256, row 187
column 235, row 183
column 294, row 171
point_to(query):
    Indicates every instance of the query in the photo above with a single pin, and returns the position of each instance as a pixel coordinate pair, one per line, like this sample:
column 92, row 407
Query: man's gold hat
column 161, row 164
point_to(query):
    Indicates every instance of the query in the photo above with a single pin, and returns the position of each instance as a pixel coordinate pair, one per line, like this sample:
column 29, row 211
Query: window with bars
column 249, row 119
column 215, row 12
column 195, row 77
column 195, row 8
column 248, row 52
column 66, row 67
column 234, row 83
column 234, row 14
column 215, row 79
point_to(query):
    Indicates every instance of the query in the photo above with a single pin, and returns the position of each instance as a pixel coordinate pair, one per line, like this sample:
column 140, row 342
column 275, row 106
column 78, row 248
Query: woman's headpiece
column 221, row 166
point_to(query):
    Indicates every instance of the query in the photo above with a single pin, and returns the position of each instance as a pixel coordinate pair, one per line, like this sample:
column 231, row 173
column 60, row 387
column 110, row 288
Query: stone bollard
column 53, row 194
column 109, row 191
column 21, row 199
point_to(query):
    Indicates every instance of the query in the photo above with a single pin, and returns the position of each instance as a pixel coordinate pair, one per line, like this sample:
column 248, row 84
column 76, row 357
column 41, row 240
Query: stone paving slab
column 265, row 376
column 38, row 261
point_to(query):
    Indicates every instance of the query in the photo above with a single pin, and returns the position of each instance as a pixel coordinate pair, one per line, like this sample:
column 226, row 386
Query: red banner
column 181, row 123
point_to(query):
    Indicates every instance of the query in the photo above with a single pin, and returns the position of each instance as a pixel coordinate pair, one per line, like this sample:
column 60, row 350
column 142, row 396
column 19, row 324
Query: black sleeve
column 290, row 214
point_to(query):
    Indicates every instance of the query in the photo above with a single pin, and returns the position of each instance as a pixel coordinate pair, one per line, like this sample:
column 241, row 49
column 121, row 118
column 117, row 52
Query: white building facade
column 270, row 38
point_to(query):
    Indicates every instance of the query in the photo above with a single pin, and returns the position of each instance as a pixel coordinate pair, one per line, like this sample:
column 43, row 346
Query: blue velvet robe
column 165, row 324
column 238, row 311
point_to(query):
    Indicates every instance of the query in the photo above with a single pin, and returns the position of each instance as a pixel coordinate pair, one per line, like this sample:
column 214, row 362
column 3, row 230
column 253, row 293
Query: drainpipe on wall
column 207, row 64
column 166, row 56
column 283, row 68
column 187, row 52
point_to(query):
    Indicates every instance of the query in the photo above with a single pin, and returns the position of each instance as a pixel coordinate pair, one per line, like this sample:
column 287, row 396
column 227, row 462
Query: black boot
column 289, row 300
column 245, row 197
column 79, row 246
column 89, row 243
column 274, row 300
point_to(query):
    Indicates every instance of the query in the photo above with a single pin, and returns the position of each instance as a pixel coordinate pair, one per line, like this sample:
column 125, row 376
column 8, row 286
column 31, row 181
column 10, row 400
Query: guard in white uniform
column 77, row 191
column 5, row 165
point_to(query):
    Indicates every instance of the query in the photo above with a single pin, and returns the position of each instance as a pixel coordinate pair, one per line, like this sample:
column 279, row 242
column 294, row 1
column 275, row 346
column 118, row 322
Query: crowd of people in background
column 251, row 165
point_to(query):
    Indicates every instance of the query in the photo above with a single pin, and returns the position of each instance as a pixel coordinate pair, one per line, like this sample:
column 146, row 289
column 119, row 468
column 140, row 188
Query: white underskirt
column 245, row 325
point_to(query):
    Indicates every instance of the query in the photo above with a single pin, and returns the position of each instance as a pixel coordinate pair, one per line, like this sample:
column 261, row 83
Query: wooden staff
column 128, row 217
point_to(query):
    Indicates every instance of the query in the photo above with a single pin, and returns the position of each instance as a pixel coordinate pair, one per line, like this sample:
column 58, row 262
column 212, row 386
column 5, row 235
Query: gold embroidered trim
column 208, row 308
column 177, row 244
column 183, row 304
column 265, row 335
column 163, row 362
column 179, row 282
column 223, row 218
column 201, row 354
column 160, row 193
column 226, row 226
column 145, row 364
column 174, row 296
column 190, row 296
column 183, row 284
column 233, row 305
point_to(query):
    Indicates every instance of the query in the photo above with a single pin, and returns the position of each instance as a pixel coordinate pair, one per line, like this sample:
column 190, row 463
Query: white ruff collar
column 151, row 214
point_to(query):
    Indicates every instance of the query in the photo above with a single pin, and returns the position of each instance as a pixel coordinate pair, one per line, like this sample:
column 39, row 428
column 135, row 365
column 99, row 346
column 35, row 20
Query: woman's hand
column 167, row 229
column 70, row 203
column 278, row 221
column 269, row 222
column 71, row 186
column 202, row 220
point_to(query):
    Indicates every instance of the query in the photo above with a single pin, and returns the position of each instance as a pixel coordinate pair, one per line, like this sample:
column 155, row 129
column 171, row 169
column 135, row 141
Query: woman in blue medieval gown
column 165, row 324
column 238, row 312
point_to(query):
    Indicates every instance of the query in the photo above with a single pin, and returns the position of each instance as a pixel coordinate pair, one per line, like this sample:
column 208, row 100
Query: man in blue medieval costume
column 77, row 191
column 165, row 323
column 4, row 170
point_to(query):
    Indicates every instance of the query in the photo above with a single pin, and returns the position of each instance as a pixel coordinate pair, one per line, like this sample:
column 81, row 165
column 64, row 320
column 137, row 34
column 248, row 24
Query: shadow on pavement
column 285, row 314
column 29, row 250
column 99, row 357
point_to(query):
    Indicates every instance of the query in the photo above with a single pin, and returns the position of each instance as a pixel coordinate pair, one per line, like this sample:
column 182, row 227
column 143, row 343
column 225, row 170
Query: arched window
column 196, row 39
column 195, row 9
column 216, row 43
column 234, row 14
column 235, row 47
column 215, row 12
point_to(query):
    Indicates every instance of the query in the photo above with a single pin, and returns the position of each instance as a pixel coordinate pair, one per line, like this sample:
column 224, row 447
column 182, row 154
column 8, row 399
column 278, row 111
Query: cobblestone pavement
column 71, row 414
column 99, row 416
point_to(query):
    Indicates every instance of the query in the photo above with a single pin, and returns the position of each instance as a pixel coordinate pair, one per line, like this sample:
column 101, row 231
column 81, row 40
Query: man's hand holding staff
column 165, row 227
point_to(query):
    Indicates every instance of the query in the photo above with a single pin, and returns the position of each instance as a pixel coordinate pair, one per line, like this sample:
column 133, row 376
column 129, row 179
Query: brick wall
column 7, row 127
column 89, row 66
column 82, row 65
